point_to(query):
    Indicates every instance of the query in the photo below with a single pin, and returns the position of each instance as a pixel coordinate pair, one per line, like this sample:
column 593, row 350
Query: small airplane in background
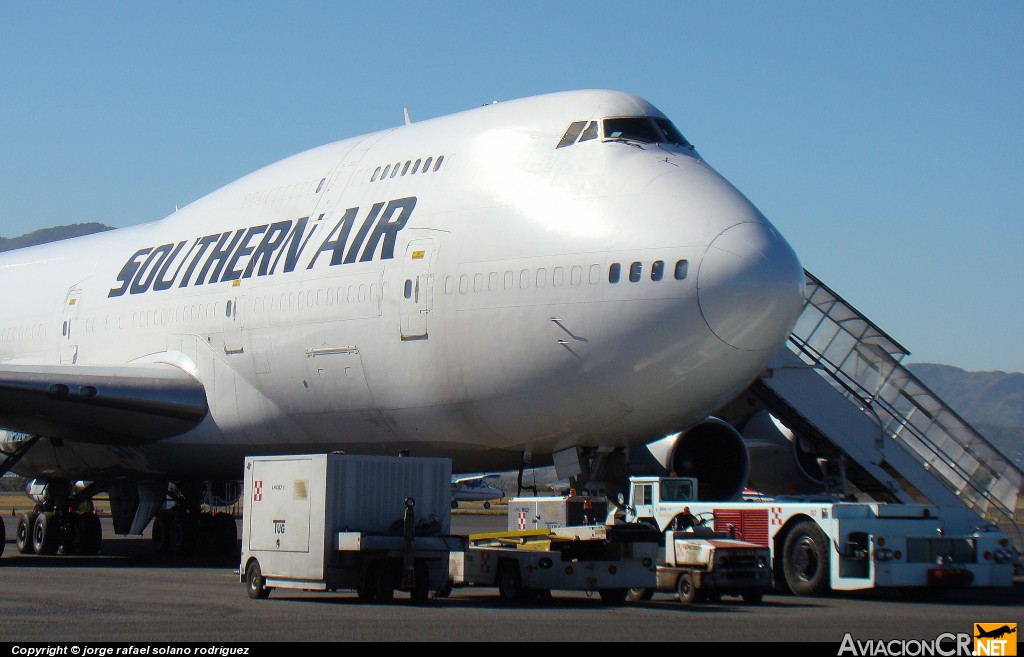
column 472, row 488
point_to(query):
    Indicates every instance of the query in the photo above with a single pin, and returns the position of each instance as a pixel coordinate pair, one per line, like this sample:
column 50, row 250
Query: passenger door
column 416, row 295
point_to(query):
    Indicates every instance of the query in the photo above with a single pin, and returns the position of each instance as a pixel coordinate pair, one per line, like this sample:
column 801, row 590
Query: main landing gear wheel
column 806, row 560
column 46, row 533
column 87, row 534
column 23, row 534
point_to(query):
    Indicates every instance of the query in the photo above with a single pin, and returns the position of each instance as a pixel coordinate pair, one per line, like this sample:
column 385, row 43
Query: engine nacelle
column 712, row 451
column 781, row 461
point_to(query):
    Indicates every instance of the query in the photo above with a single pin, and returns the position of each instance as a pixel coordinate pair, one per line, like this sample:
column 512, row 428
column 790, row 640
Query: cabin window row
column 410, row 167
column 636, row 271
column 524, row 279
column 285, row 192
column 23, row 333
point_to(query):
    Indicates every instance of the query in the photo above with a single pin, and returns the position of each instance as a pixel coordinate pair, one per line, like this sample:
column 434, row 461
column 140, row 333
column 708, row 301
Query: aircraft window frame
column 394, row 172
column 571, row 134
column 492, row 281
column 636, row 271
column 595, row 274
column 658, row 270
column 542, row 277
column 558, row 276
column 478, row 282
column 589, row 133
column 615, row 273
column 682, row 269
column 437, row 163
column 407, row 289
column 509, row 281
column 671, row 132
column 405, row 169
column 376, row 173
column 385, row 174
column 426, row 165
column 575, row 275
column 652, row 136
column 321, row 185
column 463, row 283
column 416, row 166
column 524, row 279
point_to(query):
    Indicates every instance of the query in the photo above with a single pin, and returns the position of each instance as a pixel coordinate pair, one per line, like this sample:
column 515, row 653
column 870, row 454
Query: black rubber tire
column 23, row 535
column 366, row 591
column 805, row 559
column 46, row 533
column 752, row 597
column 162, row 531
column 383, row 584
column 68, row 531
column 255, row 585
column 639, row 594
column 510, row 582
column 88, row 534
column 487, row 505
column 686, row 589
column 613, row 596
column 420, row 594
column 455, row 504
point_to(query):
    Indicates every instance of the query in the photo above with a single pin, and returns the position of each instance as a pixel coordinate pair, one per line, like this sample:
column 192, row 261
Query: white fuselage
column 465, row 310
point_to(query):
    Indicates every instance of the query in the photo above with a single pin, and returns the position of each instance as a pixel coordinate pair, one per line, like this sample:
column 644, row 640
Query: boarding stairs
column 842, row 379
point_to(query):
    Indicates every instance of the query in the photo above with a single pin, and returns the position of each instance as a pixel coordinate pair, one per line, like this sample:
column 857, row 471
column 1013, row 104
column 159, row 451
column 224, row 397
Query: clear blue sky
column 885, row 139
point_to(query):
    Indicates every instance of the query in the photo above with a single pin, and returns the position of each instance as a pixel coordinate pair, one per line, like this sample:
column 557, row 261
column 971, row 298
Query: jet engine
column 781, row 461
column 712, row 451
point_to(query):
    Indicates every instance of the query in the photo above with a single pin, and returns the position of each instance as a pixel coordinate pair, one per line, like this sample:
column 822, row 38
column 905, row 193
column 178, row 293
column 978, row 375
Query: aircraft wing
column 123, row 405
column 471, row 478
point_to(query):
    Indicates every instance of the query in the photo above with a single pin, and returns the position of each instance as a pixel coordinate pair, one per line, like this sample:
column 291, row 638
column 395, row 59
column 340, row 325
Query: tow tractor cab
column 822, row 543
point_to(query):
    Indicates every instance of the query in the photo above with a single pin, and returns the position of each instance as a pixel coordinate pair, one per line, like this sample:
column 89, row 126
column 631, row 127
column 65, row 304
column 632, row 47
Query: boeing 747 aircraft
column 560, row 278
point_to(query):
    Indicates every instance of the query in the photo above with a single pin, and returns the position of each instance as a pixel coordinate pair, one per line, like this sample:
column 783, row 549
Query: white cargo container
column 338, row 521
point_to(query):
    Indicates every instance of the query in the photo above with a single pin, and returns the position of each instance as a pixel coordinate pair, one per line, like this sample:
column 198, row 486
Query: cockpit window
column 637, row 128
column 672, row 134
column 571, row 134
column 590, row 132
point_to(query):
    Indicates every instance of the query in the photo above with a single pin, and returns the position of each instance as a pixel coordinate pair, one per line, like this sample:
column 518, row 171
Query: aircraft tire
column 806, row 560
column 46, row 533
column 88, row 534
column 23, row 533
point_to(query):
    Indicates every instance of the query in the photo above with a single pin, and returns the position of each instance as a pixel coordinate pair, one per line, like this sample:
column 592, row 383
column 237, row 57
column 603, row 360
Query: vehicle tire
column 46, row 533
column 753, row 597
column 255, row 585
column 510, row 582
column 23, row 536
column 639, row 594
column 383, row 584
column 420, row 594
column 613, row 596
column 366, row 591
column 487, row 505
column 88, row 534
column 455, row 504
column 687, row 591
column 806, row 559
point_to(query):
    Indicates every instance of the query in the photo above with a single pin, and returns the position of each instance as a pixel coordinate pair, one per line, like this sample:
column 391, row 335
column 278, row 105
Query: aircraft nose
column 750, row 287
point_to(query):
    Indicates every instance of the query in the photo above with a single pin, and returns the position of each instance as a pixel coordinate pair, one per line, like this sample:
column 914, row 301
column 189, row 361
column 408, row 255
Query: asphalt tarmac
column 130, row 594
